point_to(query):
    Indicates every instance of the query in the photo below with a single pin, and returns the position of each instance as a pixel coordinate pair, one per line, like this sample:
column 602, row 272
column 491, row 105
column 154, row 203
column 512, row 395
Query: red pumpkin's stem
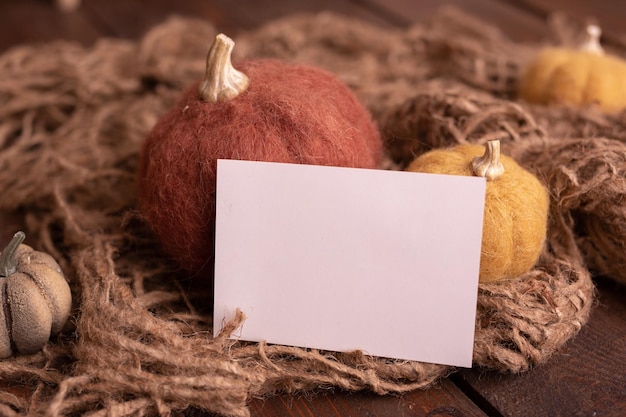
column 7, row 257
column 488, row 165
column 222, row 81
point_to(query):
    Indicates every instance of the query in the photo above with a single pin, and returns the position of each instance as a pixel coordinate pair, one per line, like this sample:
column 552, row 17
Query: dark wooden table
column 586, row 378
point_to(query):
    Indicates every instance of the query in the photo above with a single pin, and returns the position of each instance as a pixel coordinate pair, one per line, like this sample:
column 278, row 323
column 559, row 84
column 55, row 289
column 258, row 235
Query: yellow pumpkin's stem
column 488, row 165
column 222, row 82
column 7, row 258
column 592, row 42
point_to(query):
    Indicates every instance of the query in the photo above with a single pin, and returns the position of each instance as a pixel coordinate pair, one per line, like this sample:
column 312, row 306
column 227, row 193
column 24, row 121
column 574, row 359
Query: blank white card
column 342, row 258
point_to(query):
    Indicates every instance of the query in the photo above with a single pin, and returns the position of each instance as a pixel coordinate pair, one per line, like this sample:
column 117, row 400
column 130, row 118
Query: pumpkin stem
column 592, row 42
column 488, row 165
column 222, row 82
column 8, row 265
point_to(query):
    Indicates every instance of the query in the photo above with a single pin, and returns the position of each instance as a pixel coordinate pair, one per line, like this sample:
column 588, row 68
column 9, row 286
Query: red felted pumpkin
column 268, row 110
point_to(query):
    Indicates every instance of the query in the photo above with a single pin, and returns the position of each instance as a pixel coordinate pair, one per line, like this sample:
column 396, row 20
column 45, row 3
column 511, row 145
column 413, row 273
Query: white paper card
column 342, row 259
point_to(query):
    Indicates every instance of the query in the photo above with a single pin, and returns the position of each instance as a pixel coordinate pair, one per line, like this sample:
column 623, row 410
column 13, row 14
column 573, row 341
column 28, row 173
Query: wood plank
column 518, row 24
column 586, row 378
column 610, row 15
column 130, row 18
column 444, row 399
column 252, row 13
column 31, row 21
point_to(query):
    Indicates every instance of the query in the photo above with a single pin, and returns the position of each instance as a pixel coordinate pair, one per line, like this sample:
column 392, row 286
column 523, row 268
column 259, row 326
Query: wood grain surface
column 444, row 399
column 586, row 378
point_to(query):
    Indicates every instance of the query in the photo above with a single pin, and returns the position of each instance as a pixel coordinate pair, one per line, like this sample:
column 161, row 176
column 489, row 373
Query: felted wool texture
column 516, row 211
column 289, row 113
column 140, row 340
column 571, row 77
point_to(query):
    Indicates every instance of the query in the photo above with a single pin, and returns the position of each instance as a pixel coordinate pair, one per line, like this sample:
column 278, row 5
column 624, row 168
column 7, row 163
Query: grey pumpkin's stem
column 8, row 265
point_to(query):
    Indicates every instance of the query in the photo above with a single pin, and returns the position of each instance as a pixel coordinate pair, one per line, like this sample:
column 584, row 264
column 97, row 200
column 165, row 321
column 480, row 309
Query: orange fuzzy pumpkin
column 573, row 77
column 516, row 206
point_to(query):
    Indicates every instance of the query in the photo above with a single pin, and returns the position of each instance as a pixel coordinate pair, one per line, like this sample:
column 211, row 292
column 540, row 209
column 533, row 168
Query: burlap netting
column 139, row 343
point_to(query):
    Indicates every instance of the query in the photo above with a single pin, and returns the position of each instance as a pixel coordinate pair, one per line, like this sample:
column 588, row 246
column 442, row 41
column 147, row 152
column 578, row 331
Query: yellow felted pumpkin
column 516, row 206
column 35, row 298
column 576, row 77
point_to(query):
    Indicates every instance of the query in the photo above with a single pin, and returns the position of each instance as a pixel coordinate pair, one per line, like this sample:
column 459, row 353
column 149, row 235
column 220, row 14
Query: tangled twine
column 140, row 342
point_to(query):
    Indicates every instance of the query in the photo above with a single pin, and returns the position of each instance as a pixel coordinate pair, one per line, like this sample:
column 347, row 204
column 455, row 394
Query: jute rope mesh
column 140, row 342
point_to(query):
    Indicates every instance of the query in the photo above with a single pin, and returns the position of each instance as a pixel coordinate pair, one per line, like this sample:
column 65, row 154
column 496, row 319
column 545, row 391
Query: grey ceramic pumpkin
column 35, row 296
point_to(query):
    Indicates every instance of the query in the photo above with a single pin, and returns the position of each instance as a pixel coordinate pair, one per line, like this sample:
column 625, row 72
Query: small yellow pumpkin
column 36, row 299
column 581, row 77
column 516, row 206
